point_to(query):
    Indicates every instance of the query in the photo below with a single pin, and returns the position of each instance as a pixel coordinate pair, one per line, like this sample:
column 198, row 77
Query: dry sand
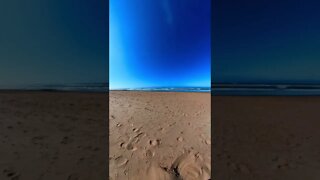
column 53, row 136
column 63, row 136
column 159, row 135
column 266, row 138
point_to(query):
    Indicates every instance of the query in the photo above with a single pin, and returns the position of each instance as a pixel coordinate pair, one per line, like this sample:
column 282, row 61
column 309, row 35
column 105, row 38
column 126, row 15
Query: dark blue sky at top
column 265, row 41
column 50, row 42
column 160, row 43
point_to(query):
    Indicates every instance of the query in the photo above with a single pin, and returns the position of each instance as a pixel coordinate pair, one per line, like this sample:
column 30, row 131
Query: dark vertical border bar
column 212, row 120
column 108, row 83
column 212, row 102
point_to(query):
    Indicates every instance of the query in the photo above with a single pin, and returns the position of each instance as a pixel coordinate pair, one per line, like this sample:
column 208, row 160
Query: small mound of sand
column 191, row 166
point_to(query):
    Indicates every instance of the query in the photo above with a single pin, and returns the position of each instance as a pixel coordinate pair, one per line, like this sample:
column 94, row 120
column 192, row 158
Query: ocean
column 216, row 89
column 265, row 90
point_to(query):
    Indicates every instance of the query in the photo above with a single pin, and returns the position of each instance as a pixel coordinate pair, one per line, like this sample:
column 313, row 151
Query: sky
column 265, row 41
column 53, row 42
column 160, row 43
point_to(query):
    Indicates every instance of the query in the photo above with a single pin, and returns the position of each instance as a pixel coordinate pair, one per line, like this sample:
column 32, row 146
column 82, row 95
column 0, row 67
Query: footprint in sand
column 154, row 142
column 160, row 129
column 207, row 141
column 131, row 147
column 136, row 129
column 150, row 153
column 119, row 125
column 11, row 173
column 121, row 161
column 180, row 139
column 133, row 140
column 122, row 145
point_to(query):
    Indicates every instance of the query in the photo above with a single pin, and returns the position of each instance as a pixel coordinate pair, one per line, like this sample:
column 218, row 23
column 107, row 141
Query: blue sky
column 265, row 41
column 160, row 43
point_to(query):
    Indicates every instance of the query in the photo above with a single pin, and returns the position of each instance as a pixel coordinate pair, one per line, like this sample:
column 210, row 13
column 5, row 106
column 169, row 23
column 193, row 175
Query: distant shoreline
column 99, row 87
column 167, row 89
column 266, row 89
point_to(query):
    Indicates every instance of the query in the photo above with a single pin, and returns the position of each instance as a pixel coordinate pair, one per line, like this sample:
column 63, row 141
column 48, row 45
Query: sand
column 159, row 135
column 266, row 138
column 50, row 136
column 53, row 136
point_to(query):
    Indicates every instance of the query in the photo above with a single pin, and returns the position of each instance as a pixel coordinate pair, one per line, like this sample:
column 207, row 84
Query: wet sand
column 53, row 136
column 266, row 138
column 159, row 135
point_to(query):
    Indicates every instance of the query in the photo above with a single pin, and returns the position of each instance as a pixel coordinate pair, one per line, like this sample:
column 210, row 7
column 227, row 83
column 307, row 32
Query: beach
column 53, row 135
column 266, row 138
column 159, row 135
